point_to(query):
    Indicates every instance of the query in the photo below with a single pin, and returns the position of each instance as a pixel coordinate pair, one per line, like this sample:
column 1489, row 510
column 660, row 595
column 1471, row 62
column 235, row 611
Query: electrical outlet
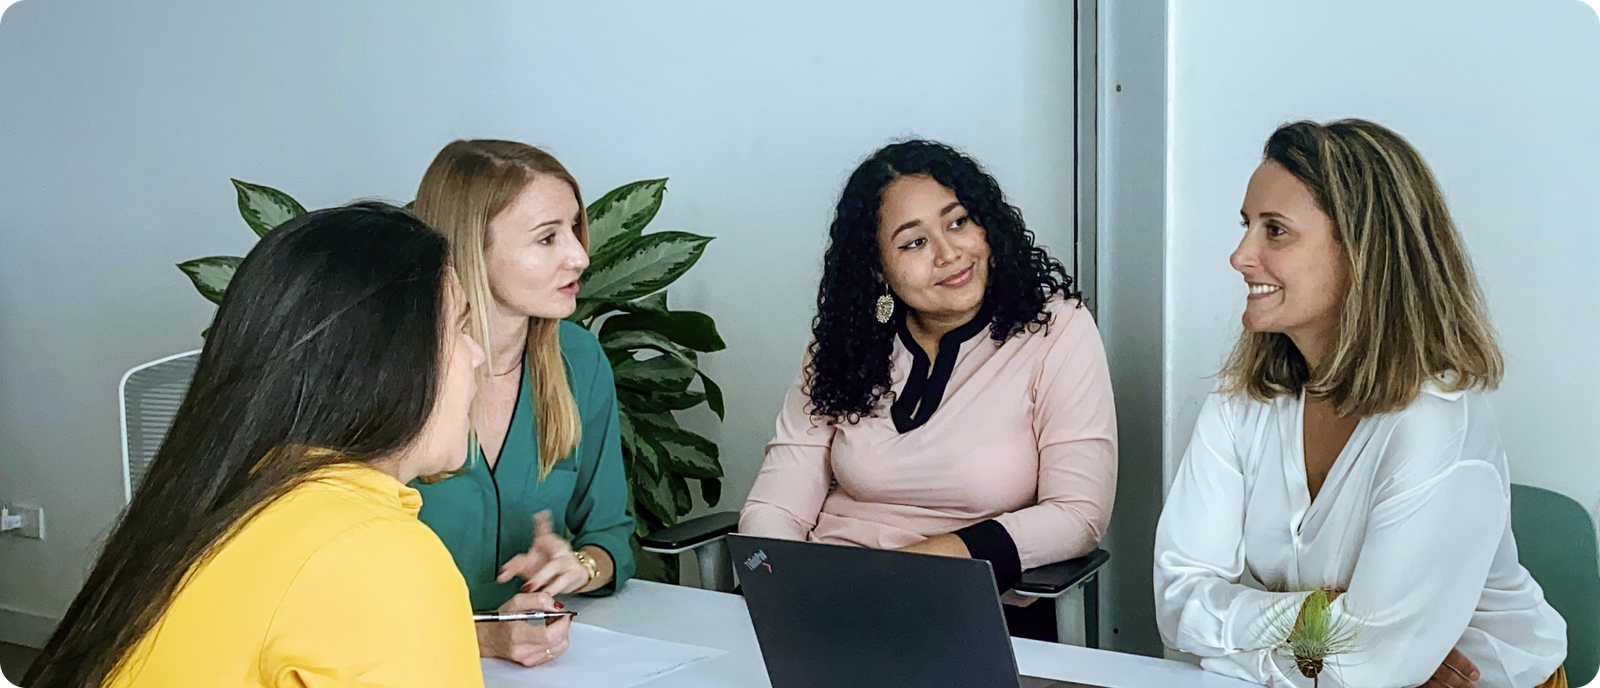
column 30, row 525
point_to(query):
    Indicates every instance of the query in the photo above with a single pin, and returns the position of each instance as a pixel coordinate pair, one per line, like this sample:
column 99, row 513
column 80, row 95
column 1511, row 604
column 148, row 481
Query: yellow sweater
column 336, row 584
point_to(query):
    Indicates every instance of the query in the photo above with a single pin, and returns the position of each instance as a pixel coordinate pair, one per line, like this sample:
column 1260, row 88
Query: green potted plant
column 653, row 349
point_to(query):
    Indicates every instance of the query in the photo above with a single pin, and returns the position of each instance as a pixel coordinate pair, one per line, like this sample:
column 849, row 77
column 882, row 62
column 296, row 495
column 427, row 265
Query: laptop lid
column 828, row 616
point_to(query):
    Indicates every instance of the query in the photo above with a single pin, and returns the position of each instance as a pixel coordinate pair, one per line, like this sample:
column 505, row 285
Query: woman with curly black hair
column 955, row 398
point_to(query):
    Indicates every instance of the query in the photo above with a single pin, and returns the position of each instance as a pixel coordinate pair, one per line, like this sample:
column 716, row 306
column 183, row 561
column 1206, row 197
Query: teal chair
column 1556, row 543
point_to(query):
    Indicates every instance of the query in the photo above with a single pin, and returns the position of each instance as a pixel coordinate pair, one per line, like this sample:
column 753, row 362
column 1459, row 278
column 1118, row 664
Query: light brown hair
column 1414, row 312
column 468, row 184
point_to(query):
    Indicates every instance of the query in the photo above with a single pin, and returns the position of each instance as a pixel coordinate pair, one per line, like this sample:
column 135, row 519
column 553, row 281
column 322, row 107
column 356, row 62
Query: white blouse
column 1413, row 522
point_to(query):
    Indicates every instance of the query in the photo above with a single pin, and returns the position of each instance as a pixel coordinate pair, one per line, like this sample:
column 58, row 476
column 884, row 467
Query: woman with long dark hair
column 955, row 398
column 274, row 541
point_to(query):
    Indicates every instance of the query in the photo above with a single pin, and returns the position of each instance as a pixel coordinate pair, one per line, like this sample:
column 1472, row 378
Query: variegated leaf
column 655, row 495
column 212, row 275
column 690, row 455
column 264, row 208
column 681, row 499
column 622, row 214
column 589, row 309
column 659, row 374
column 713, row 397
column 645, row 265
column 656, row 402
column 691, row 329
column 643, row 452
column 683, row 452
column 654, row 303
column 632, row 340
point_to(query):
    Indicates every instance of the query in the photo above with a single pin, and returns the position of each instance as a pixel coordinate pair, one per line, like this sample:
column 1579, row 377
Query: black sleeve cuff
column 988, row 540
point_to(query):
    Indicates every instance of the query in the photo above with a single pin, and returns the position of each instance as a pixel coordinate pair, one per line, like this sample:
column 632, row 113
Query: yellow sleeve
column 380, row 605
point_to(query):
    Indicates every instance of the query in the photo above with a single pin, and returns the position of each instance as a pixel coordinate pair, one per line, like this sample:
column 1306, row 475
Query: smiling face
column 1297, row 272
column 533, row 255
column 935, row 257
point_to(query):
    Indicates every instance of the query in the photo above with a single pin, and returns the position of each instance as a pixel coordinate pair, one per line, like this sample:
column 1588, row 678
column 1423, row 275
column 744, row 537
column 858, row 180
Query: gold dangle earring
column 885, row 305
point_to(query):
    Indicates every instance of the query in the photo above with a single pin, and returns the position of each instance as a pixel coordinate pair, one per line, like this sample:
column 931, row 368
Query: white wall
column 120, row 125
column 1502, row 98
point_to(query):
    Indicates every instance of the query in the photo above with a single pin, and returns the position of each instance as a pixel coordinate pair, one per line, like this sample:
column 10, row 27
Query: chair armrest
column 690, row 534
column 1052, row 580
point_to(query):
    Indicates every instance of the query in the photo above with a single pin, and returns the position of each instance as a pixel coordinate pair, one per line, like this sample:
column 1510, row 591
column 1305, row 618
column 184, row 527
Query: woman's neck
column 398, row 467
column 508, row 335
column 928, row 328
column 1314, row 346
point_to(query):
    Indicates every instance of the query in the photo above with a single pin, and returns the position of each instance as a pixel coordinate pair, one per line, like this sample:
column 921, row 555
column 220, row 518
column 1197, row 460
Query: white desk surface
column 720, row 620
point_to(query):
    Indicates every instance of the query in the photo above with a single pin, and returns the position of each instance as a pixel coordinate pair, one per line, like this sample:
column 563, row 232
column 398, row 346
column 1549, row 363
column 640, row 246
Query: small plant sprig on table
column 1312, row 633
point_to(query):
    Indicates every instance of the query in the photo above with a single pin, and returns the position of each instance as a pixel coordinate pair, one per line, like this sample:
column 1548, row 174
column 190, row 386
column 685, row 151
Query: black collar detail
column 923, row 391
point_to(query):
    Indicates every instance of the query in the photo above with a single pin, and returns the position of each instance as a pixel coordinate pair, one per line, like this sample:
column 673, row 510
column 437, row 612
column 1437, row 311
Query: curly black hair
column 850, row 350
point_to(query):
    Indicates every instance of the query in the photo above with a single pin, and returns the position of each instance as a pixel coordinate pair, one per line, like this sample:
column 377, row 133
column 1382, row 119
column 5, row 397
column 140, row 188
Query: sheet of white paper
column 599, row 658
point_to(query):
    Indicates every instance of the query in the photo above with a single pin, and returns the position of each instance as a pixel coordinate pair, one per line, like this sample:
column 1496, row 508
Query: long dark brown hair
column 323, row 351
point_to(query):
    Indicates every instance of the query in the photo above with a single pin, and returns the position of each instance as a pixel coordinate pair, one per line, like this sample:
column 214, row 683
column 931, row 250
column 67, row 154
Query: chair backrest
column 1556, row 543
column 150, row 395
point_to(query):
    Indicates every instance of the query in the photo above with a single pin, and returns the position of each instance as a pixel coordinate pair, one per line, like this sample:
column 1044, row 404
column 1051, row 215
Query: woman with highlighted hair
column 1350, row 456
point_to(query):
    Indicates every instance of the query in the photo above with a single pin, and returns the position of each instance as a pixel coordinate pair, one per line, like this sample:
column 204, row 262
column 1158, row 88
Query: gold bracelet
column 589, row 564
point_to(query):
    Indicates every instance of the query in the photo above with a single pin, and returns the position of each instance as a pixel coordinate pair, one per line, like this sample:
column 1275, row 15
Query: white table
column 720, row 620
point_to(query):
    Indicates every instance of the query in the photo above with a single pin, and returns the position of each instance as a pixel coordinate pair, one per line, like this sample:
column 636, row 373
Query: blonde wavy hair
column 1414, row 313
column 468, row 184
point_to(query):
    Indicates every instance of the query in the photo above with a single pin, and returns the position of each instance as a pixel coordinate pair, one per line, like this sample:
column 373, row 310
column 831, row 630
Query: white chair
column 150, row 395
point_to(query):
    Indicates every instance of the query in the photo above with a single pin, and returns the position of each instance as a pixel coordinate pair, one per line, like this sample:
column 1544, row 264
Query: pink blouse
column 1025, row 435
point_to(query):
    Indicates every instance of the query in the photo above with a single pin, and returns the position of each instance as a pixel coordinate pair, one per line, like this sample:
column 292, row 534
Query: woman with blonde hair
column 544, row 499
column 1350, row 447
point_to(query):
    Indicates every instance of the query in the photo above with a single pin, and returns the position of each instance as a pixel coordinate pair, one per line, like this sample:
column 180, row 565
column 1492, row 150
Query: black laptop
column 832, row 617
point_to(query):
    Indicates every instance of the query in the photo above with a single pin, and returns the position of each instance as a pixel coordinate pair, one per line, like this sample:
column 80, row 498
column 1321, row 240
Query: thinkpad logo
column 758, row 559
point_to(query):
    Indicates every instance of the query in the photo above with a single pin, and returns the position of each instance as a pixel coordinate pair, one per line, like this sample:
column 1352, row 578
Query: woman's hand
column 549, row 565
column 529, row 643
column 1456, row 672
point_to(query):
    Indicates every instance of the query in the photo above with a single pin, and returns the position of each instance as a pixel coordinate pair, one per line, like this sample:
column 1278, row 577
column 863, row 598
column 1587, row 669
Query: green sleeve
column 598, row 512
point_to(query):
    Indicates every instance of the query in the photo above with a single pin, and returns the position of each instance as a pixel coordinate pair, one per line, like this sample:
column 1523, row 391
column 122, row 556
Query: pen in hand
column 520, row 616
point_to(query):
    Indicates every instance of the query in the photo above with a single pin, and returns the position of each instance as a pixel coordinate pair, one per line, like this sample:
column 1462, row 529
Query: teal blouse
column 485, row 516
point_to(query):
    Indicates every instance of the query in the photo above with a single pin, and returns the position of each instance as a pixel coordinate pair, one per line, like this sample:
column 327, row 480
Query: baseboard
column 25, row 629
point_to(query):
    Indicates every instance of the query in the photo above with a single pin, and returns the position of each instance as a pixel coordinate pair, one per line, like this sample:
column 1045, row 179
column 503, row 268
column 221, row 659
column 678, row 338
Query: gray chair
column 1077, row 620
